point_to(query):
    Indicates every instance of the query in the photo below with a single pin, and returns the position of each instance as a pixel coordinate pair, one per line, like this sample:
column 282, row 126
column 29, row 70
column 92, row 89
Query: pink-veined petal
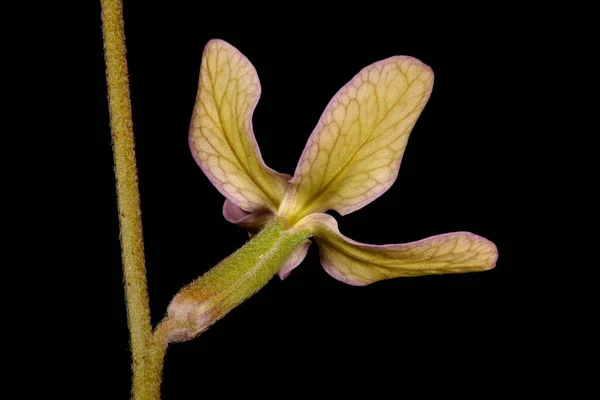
column 221, row 136
column 353, row 155
column 361, row 264
column 294, row 260
column 253, row 221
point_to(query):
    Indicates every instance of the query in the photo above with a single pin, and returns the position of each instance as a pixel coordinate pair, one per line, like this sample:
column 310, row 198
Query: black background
column 310, row 329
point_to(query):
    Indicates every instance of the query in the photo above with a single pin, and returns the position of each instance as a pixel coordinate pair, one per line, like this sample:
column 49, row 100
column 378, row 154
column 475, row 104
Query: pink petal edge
column 253, row 221
column 294, row 260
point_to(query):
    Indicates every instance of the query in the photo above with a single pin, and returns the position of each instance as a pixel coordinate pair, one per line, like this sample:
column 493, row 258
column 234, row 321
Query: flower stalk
column 147, row 353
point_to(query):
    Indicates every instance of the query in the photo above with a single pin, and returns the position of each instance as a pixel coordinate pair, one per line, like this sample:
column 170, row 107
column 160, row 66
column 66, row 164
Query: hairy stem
column 209, row 298
column 147, row 383
column 147, row 352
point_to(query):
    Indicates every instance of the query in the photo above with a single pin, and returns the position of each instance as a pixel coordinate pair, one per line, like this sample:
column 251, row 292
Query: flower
column 351, row 158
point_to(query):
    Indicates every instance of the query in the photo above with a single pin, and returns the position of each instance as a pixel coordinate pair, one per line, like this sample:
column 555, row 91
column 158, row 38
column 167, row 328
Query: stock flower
column 352, row 157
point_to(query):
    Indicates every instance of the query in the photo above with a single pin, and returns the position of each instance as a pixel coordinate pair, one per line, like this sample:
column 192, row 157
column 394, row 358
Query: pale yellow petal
column 361, row 264
column 354, row 153
column 221, row 136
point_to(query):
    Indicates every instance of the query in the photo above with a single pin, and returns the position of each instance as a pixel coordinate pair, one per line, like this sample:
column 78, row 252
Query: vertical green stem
column 147, row 353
